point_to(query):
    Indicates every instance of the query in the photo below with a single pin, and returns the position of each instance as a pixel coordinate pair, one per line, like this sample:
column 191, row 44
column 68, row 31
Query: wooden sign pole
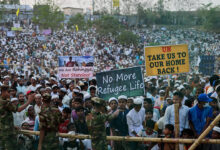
column 177, row 127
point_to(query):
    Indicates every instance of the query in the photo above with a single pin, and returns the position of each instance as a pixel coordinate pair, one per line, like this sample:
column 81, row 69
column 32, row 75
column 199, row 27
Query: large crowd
column 29, row 78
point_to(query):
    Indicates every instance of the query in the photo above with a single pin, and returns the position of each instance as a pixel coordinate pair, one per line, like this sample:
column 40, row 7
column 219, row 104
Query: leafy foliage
column 108, row 25
column 9, row 1
column 127, row 38
column 78, row 19
column 209, row 17
column 48, row 15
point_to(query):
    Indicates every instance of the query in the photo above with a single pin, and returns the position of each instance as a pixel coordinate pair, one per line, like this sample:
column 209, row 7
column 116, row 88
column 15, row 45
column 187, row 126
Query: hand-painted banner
column 114, row 83
column 76, row 66
column 162, row 60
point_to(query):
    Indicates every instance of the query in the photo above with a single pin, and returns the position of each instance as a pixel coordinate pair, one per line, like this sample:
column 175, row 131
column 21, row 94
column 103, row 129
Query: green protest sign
column 127, row 82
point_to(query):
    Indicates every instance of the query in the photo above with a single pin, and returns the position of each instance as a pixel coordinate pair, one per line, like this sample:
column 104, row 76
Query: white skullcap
column 78, row 87
column 176, row 85
column 52, row 78
column 180, row 88
column 47, row 82
column 178, row 81
column 38, row 86
column 86, row 96
column 54, row 86
column 75, row 91
column 34, row 78
column 123, row 97
column 14, row 99
column 161, row 91
column 165, row 81
column 63, row 90
column 37, row 95
column 48, row 88
column 154, row 77
column 6, row 77
column 55, row 96
column 92, row 86
column 217, row 129
column 138, row 101
column 68, row 81
column 112, row 99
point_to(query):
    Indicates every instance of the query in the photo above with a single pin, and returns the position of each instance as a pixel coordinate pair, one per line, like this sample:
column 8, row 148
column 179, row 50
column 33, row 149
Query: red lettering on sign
column 166, row 49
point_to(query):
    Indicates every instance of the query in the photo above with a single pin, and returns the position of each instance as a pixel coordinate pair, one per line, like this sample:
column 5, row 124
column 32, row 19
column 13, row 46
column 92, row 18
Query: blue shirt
column 198, row 117
column 120, row 123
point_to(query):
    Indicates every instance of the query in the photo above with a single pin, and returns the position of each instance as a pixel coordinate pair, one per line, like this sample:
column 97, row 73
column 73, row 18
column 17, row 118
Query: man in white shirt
column 37, row 106
column 135, row 119
column 33, row 85
column 169, row 117
column 21, row 87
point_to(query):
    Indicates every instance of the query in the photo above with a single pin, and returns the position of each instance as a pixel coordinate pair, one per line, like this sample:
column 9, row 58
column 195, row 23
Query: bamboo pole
column 177, row 128
column 126, row 138
column 208, row 129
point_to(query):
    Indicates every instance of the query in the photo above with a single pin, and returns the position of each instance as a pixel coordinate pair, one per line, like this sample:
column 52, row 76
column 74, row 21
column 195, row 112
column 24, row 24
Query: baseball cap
column 204, row 98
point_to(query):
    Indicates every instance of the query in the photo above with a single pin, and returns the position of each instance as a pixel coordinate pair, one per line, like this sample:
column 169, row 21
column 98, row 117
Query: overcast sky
column 88, row 3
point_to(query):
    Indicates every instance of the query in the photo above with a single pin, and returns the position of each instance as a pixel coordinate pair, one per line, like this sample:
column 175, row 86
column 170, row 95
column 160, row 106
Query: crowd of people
column 40, row 101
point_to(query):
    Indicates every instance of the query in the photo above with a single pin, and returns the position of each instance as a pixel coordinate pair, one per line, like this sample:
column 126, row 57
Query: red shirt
column 63, row 127
column 70, row 64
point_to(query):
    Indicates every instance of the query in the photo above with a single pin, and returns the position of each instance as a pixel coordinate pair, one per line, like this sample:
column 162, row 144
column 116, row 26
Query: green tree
column 212, row 19
column 128, row 38
column 108, row 25
column 209, row 17
column 78, row 19
column 9, row 1
column 48, row 15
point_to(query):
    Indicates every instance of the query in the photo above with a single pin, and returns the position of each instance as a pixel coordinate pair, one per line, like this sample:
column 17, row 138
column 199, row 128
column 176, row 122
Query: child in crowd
column 150, row 133
column 113, row 104
column 72, row 144
column 168, row 133
column 160, row 101
column 149, row 116
column 215, row 135
column 214, row 105
column 66, row 113
column 130, row 103
column 160, row 122
column 80, row 123
column 149, row 105
column 186, row 134
column 119, row 125
column 25, row 141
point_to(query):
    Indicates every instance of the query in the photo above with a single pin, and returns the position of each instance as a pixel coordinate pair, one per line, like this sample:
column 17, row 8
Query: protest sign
column 46, row 32
column 10, row 34
column 76, row 66
column 162, row 60
column 41, row 38
column 207, row 65
column 16, row 25
column 114, row 83
column 16, row 29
